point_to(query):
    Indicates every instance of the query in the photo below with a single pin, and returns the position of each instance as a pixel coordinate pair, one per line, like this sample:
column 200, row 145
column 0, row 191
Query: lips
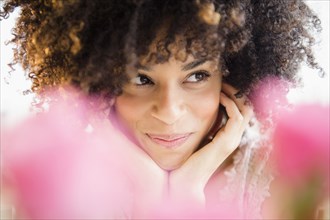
column 169, row 140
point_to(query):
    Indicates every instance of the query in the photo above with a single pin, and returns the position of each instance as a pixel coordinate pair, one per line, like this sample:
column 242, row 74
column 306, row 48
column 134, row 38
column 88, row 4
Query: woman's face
column 169, row 108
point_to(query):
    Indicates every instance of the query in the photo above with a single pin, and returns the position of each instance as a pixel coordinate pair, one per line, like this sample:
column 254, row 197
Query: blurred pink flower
column 269, row 98
column 59, row 170
column 301, row 144
column 223, row 210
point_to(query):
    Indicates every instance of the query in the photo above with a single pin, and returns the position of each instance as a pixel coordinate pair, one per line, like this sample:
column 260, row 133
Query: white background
column 15, row 105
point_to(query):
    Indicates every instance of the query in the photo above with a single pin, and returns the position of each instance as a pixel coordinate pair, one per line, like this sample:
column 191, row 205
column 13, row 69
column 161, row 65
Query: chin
column 169, row 166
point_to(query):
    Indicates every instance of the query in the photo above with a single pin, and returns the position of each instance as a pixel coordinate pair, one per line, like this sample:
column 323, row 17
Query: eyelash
column 205, row 76
column 149, row 81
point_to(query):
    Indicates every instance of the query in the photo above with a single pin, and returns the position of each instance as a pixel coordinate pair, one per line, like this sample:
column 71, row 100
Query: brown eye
column 198, row 77
column 142, row 80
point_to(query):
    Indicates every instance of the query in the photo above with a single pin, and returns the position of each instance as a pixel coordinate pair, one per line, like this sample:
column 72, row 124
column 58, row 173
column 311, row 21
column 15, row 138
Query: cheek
column 205, row 106
column 130, row 110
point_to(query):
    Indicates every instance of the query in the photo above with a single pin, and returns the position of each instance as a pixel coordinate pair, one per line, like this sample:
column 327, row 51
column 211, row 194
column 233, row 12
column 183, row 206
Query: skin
column 170, row 99
column 172, row 102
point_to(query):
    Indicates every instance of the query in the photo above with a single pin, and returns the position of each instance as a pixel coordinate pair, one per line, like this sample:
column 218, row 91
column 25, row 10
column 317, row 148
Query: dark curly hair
column 91, row 44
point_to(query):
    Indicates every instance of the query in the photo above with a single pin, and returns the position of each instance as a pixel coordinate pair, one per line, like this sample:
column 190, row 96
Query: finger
column 231, row 92
column 210, row 157
column 219, row 121
column 235, row 117
column 205, row 161
column 242, row 102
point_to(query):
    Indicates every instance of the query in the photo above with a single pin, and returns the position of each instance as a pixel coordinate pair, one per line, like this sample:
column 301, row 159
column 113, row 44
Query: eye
column 142, row 80
column 198, row 77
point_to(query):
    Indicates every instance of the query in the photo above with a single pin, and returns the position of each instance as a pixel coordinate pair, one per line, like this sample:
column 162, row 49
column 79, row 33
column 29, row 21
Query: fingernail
column 239, row 95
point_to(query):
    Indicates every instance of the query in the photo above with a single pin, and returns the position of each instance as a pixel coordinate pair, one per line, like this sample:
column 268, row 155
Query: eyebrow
column 141, row 67
column 193, row 64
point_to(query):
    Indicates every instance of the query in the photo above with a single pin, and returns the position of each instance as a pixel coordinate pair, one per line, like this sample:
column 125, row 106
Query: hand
column 188, row 182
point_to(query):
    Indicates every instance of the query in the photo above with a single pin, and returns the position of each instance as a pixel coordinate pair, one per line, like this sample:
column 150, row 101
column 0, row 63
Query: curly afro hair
column 92, row 44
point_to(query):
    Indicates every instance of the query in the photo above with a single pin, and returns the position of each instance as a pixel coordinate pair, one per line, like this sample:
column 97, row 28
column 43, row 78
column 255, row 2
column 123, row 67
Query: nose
column 169, row 106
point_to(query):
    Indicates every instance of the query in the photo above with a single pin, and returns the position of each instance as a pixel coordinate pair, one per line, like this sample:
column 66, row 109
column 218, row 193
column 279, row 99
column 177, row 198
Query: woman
column 178, row 75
